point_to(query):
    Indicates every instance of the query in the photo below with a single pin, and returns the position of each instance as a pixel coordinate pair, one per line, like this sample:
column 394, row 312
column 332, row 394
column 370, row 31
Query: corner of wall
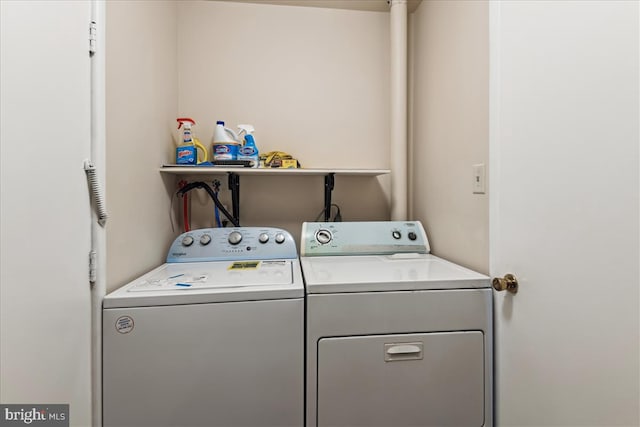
column 449, row 127
column 142, row 96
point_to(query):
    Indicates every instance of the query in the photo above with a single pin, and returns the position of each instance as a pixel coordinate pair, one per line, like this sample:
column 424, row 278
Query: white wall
column 142, row 98
column 449, row 127
column 314, row 82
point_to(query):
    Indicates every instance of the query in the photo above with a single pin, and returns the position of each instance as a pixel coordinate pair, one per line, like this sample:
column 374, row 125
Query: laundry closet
column 314, row 81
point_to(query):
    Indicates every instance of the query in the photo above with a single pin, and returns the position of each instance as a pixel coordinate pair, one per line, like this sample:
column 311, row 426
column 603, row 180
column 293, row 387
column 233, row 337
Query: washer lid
column 370, row 273
column 219, row 281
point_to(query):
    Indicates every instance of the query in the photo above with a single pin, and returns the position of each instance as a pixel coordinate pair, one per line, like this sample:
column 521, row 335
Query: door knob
column 507, row 283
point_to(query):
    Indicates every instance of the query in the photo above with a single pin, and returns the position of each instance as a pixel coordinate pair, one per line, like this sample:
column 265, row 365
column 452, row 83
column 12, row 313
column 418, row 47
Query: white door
column 45, row 316
column 564, row 211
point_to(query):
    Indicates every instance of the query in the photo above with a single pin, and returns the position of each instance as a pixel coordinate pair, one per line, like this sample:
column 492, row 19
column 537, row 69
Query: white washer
column 214, row 337
column 395, row 336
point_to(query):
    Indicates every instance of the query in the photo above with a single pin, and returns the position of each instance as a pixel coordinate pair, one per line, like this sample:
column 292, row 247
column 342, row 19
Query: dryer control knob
column 323, row 236
column 279, row 238
column 187, row 241
column 235, row 237
column 205, row 239
column 396, row 234
column 263, row 238
column 412, row 235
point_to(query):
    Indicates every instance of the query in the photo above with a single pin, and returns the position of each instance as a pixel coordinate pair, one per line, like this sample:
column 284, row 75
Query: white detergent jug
column 223, row 135
column 225, row 143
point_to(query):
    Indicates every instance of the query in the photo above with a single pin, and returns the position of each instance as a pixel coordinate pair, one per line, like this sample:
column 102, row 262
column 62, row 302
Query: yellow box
column 289, row 164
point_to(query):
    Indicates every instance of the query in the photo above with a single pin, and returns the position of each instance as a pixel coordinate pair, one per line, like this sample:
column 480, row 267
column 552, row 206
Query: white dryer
column 395, row 336
column 213, row 337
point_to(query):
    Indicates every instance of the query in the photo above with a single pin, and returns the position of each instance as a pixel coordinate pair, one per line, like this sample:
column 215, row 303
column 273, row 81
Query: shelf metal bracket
column 329, row 181
column 234, row 186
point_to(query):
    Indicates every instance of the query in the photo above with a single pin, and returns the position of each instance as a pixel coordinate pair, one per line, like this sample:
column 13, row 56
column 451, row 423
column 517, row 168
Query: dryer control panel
column 363, row 238
column 238, row 243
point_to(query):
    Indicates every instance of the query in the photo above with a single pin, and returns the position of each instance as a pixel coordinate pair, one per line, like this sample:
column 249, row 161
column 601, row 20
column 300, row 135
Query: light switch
column 478, row 179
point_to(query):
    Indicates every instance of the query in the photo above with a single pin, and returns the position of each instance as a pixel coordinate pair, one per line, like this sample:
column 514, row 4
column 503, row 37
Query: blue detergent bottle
column 249, row 151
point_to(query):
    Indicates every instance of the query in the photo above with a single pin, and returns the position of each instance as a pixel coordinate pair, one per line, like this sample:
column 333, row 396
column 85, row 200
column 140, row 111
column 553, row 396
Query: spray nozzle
column 184, row 121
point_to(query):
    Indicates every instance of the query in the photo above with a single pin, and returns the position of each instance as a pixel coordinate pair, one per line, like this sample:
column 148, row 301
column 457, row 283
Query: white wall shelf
column 219, row 170
column 235, row 173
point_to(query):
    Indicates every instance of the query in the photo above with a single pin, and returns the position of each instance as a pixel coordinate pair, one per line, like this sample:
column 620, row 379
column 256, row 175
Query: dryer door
column 402, row 380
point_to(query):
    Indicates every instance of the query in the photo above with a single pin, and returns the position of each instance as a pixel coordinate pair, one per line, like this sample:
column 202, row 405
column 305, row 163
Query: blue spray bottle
column 249, row 151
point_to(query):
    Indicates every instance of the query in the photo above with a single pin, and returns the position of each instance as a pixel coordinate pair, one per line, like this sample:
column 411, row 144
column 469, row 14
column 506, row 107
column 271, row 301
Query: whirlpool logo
column 36, row 415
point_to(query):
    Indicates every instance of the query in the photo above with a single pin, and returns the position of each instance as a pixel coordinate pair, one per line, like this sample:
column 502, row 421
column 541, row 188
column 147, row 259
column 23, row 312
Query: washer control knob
column 279, row 238
column 187, row 241
column 412, row 235
column 263, row 238
column 205, row 239
column 323, row 236
column 396, row 234
column 235, row 237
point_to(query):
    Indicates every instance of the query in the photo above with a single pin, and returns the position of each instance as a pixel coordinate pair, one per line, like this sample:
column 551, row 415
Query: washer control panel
column 238, row 243
column 363, row 238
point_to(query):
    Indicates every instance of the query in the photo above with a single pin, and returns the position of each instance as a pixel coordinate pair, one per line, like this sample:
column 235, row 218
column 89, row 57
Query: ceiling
column 370, row 5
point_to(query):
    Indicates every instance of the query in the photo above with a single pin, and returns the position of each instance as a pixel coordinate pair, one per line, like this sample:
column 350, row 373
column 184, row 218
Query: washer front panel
column 233, row 364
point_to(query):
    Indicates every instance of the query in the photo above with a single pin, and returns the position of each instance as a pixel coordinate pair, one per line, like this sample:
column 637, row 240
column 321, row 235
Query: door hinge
column 92, row 266
column 92, row 38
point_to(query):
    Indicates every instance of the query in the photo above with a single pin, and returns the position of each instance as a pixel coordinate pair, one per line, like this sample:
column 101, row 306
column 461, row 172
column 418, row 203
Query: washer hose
column 185, row 207
column 205, row 186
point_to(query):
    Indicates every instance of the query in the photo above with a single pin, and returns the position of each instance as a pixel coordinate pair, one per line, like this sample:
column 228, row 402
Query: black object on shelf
column 233, row 163
column 234, row 186
column 329, row 181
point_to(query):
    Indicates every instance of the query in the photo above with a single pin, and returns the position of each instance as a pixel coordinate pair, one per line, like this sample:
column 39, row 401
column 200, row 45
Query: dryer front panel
column 441, row 343
column 401, row 380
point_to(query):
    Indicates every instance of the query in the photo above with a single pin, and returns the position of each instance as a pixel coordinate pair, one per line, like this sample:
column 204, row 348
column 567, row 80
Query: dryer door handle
column 403, row 351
